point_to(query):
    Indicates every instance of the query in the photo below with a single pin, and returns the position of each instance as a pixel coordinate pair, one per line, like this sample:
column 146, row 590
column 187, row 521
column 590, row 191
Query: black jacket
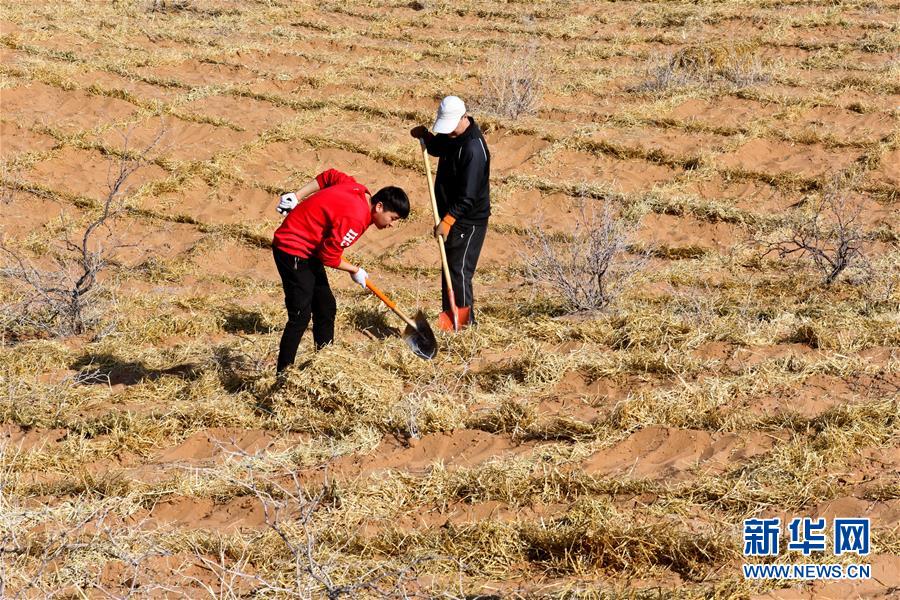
column 462, row 186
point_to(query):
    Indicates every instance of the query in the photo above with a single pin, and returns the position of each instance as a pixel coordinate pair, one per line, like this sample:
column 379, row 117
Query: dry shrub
column 335, row 392
column 300, row 553
column 511, row 86
column 589, row 268
column 736, row 65
column 827, row 232
column 68, row 298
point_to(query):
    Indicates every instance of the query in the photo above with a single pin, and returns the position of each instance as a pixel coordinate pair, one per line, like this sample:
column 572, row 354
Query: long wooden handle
column 389, row 303
column 434, row 209
column 437, row 220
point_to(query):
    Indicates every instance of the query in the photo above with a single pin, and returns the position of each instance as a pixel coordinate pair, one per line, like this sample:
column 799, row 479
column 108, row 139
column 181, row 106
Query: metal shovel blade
column 421, row 338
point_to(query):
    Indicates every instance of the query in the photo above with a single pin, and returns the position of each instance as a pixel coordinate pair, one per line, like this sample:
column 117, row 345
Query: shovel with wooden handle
column 418, row 334
column 458, row 316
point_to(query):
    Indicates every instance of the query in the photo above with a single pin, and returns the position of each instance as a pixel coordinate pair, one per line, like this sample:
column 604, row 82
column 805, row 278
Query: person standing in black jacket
column 462, row 190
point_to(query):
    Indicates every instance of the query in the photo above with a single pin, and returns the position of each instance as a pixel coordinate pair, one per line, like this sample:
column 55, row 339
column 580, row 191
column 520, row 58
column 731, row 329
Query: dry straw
column 711, row 64
column 335, row 392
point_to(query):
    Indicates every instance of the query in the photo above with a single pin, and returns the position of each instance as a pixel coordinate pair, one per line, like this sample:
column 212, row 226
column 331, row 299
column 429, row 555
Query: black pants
column 463, row 246
column 306, row 293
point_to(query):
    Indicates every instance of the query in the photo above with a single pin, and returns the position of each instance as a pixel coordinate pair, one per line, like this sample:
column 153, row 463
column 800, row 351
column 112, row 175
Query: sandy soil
column 774, row 401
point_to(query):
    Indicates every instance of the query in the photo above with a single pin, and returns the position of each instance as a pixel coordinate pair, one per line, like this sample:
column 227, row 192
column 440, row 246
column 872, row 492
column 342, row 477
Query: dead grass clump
column 533, row 366
column 804, row 334
column 152, row 318
column 29, row 403
column 730, row 65
column 165, row 6
column 677, row 252
column 806, row 468
column 879, row 42
column 647, row 326
column 666, row 16
column 593, row 534
column 198, row 402
column 562, row 428
column 511, row 416
column 520, row 420
column 486, row 548
column 157, row 270
column 511, row 86
column 335, row 392
column 82, row 482
column 701, row 405
column 420, row 413
column 21, row 362
column 842, row 430
column 881, row 291
column 511, row 480
column 590, row 268
column 884, row 492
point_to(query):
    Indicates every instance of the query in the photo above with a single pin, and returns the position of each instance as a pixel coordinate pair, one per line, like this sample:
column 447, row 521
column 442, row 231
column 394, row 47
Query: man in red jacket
column 324, row 217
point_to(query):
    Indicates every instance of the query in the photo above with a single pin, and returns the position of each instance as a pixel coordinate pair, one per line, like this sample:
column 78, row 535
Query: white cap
column 449, row 113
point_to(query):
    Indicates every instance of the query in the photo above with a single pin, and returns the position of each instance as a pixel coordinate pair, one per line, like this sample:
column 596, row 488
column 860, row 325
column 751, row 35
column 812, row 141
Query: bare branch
column 828, row 233
column 587, row 267
column 65, row 301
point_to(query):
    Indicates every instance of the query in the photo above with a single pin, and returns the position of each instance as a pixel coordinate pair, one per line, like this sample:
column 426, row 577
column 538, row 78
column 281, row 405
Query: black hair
column 393, row 199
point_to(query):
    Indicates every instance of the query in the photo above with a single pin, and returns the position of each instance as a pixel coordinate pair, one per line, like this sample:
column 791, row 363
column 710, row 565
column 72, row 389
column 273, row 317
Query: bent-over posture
column 326, row 216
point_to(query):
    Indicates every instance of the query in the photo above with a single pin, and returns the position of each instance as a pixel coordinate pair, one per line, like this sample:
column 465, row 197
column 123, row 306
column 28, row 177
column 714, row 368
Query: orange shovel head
column 445, row 319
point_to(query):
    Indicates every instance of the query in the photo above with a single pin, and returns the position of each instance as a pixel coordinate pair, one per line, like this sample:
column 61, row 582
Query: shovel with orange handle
column 418, row 334
column 458, row 316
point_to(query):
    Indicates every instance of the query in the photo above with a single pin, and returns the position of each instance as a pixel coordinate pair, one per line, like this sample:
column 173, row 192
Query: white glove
column 360, row 277
column 287, row 204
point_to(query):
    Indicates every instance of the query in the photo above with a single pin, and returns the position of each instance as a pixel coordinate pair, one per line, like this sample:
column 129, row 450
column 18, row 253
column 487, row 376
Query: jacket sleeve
column 471, row 172
column 436, row 144
column 331, row 177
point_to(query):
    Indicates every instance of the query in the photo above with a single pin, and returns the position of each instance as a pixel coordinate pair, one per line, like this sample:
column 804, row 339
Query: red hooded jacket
column 328, row 221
